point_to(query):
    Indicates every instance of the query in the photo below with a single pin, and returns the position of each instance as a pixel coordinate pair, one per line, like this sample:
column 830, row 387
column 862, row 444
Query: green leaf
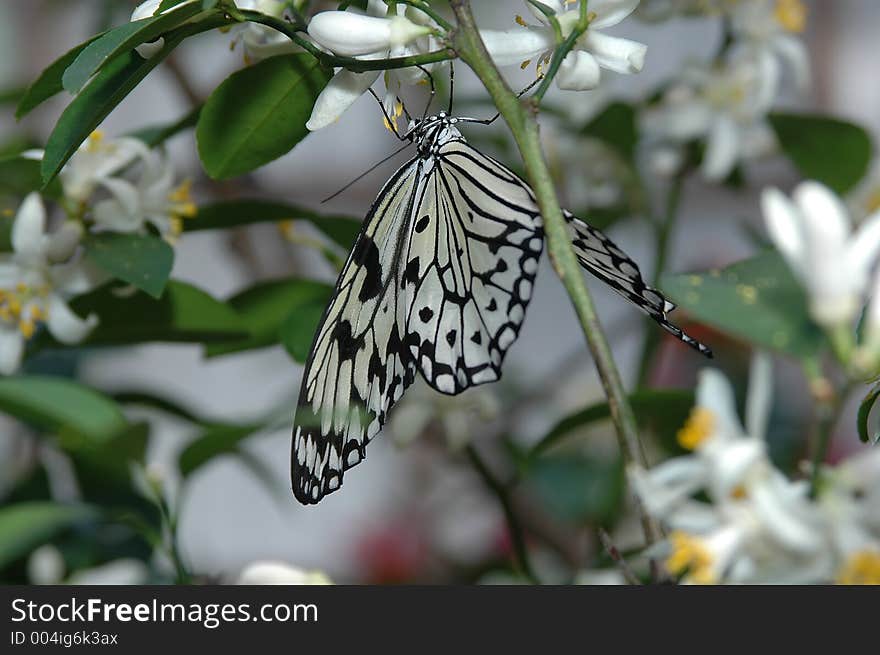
column 865, row 408
column 27, row 526
column 616, row 126
column 154, row 401
column 298, row 330
column 20, row 176
column 215, row 441
column 142, row 260
column 757, row 300
column 156, row 135
column 341, row 229
column 266, row 307
column 258, row 114
column 122, row 40
column 663, row 410
column 58, row 404
column 49, row 82
column 103, row 93
column 184, row 314
column 831, row 151
column 579, row 488
column 105, row 465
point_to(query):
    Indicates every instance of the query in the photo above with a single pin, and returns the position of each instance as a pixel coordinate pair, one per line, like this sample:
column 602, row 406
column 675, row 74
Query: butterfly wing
column 358, row 366
column 601, row 257
column 470, row 267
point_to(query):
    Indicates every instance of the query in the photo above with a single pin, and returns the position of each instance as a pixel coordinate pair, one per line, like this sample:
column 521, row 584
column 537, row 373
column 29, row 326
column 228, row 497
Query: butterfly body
column 437, row 283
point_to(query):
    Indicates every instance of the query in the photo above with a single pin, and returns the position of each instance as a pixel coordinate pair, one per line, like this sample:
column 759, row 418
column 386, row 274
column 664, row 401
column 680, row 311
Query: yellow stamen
column 791, row 14
column 27, row 328
column 689, row 554
column 862, row 568
column 525, row 64
column 873, row 200
column 8, row 213
column 398, row 110
column 521, row 21
column 739, row 492
column 182, row 203
column 21, row 287
column 38, row 313
column 287, row 229
column 697, row 429
column 94, row 141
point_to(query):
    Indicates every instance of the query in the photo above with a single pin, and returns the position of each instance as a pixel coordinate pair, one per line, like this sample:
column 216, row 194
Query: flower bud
column 353, row 34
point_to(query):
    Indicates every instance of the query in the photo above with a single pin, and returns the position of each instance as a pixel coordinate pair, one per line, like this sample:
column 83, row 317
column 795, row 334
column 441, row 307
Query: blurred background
column 419, row 511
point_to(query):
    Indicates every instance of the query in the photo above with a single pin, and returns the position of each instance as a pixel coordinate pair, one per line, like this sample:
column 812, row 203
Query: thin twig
column 613, row 552
column 501, row 492
column 520, row 117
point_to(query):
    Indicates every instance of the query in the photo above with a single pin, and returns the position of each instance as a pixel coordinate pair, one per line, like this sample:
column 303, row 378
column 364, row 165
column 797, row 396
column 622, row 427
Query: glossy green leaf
column 616, row 126
column 579, row 488
column 49, row 81
column 864, row 414
column 122, row 40
column 215, row 441
column 106, row 465
column 341, row 229
column 142, row 260
column 266, row 307
column 757, row 300
column 258, row 114
column 662, row 410
column 829, row 150
column 26, row 526
column 58, row 404
column 298, row 330
column 184, row 314
column 155, row 401
column 103, row 93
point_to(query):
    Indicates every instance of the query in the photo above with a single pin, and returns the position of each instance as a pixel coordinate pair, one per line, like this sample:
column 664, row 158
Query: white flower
column 766, row 28
column 815, row 235
column 279, row 573
column 147, row 10
column 35, row 282
column 350, row 34
column 154, row 199
column 346, row 86
column 46, row 565
column 96, row 160
column 580, row 70
column 261, row 41
column 722, row 105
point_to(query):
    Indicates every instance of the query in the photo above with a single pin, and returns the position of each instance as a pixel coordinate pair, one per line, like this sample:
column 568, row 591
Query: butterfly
column 437, row 284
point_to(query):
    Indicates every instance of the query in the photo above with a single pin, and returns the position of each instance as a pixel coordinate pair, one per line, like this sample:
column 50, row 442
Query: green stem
column 349, row 63
column 829, row 413
column 665, row 229
column 517, row 535
column 521, row 118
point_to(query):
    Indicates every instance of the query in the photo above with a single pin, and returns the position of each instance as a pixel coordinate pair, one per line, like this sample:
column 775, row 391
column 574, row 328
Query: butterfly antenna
column 489, row 121
column 367, row 172
column 392, row 124
column 451, row 86
column 433, row 89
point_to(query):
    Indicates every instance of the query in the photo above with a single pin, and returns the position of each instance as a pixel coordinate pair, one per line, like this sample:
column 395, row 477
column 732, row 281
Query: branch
column 520, row 117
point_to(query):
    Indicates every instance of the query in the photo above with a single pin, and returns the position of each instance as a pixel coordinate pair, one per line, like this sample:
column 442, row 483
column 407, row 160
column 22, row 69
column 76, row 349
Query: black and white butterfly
column 437, row 283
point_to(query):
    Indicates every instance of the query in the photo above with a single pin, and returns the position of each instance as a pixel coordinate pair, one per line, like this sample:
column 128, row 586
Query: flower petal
column 784, row 225
column 579, row 71
column 66, row 326
column 508, row 47
column 793, row 51
column 340, row 94
column 864, row 247
column 611, row 12
column 722, row 149
column 28, row 231
column 715, row 394
column 11, row 350
column 614, row 53
column 759, row 399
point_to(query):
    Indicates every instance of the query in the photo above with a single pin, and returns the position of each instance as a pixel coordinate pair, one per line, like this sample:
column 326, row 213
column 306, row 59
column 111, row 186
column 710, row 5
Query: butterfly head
column 432, row 132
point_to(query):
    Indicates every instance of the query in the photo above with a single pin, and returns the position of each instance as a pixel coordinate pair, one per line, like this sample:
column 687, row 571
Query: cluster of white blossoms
column 404, row 31
column 832, row 259
column 109, row 185
column 755, row 525
column 724, row 103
